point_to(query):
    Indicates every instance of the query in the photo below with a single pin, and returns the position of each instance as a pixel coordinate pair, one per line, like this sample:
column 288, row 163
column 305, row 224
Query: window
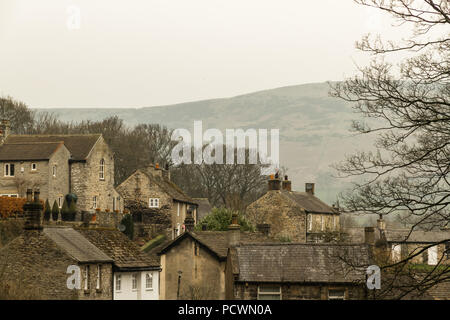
column 178, row 209
column 269, row 292
column 433, row 256
column 178, row 229
column 86, row 278
column 33, row 167
column 60, row 202
column 9, row 170
column 102, row 170
column 114, row 203
column 309, row 222
column 54, row 171
column 396, row 252
column 134, row 281
column 118, row 282
column 149, row 281
column 322, row 223
column 153, row 203
column 94, row 202
column 99, row 275
column 14, row 195
column 336, row 294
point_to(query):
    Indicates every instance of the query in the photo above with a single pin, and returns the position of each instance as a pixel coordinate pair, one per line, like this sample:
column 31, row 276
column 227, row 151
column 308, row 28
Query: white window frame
column 101, row 174
column 99, row 276
column 178, row 229
column 60, row 202
column 336, row 297
column 54, row 172
column 10, row 195
column 396, row 252
column 322, row 223
column 269, row 293
column 94, row 202
column 149, row 280
column 7, row 168
column 118, row 282
column 34, row 166
column 153, row 203
column 134, row 282
column 432, row 255
column 178, row 209
column 310, row 217
column 86, row 277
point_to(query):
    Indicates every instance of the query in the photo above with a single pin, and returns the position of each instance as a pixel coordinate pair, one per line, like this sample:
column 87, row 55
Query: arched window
column 102, row 169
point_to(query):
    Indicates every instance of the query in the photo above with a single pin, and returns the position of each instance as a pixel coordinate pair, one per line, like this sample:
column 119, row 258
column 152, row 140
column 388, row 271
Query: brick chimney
column 189, row 222
column 309, row 188
column 274, row 183
column 5, row 130
column 234, row 231
column 33, row 211
column 287, row 184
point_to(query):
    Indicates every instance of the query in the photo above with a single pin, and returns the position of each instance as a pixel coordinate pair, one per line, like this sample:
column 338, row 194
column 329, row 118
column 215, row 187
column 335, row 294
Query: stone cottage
column 161, row 205
column 296, row 271
column 193, row 264
column 59, row 164
column 294, row 216
column 38, row 263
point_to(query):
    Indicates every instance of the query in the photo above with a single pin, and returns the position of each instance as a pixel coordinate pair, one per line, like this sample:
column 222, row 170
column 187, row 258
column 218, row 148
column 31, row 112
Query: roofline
column 132, row 269
column 305, row 282
column 90, row 151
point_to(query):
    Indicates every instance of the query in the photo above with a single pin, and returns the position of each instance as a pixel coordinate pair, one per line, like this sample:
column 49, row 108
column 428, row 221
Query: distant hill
column 314, row 128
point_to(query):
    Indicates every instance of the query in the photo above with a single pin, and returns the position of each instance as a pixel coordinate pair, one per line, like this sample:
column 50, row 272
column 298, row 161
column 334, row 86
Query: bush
column 72, row 211
column 127, row 222
column 55, row 211
column 11, row 206
column 47, row 211
column 65, row 214
column 220, row 219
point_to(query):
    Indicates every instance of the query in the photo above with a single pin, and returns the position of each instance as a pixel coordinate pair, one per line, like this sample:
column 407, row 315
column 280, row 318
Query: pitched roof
column 204, row 207
column 79, row 145
column 76, row 245
column 29, row 151
column 309, row 202
column 216, row 241
column 299, row 262
column 125, row 253
column 169, row 187
column 403, row 235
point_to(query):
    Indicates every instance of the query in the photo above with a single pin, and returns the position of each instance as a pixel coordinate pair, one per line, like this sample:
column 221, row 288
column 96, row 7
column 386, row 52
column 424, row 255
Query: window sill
column 149, row 289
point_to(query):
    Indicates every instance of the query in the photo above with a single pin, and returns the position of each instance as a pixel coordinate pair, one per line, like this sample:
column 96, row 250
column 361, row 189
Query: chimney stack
column 287, row 185
column 5, row 130
column 234, row 231
column 33, row 209
column 189, row 221
column 274, row 183
column 309, row 188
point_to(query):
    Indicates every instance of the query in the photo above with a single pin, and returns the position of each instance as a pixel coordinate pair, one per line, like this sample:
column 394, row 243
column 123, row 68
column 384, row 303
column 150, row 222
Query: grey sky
column 154, row 52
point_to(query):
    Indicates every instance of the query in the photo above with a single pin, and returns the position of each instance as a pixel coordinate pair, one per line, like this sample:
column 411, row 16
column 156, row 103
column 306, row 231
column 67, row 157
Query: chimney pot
column 274, row 183
column 309, row 188
column 189, row 222
column 234, row 231
column 287, row 184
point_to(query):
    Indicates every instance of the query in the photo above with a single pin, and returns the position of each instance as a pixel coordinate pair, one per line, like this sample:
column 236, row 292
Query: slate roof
column 204, row 207
column 76, row 245
column 125, row 253
column 299, row 262
column 216, row 241
column 79, row 145
column 310, row 203
column 29, row 151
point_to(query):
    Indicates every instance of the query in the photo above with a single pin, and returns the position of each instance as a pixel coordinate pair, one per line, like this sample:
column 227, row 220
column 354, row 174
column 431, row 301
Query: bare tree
column 408, row 107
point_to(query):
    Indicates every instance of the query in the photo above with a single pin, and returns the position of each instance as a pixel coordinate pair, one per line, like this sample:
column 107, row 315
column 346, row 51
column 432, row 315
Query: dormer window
column 33, row 167
column 102, row 170
column 9, row 170
column 153, row 203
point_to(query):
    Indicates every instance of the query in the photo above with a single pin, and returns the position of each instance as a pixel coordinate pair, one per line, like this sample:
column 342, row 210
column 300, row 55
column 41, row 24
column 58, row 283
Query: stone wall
column 203, row 275
column 86, row 182
column 287, row 220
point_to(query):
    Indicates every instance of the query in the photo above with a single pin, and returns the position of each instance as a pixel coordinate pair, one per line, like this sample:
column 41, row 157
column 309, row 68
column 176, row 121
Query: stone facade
column 39, row 174
column 153, row 182
column 87, row 183
column 202, row 274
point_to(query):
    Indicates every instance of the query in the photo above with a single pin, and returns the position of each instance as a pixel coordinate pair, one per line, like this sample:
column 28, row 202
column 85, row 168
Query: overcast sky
column 153, row 52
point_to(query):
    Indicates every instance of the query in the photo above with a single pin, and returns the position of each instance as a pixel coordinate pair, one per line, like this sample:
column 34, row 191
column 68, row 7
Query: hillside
column 314, row 128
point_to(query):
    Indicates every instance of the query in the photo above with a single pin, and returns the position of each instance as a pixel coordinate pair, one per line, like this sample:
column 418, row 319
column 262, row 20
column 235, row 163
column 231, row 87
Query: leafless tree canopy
column 408, row 107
